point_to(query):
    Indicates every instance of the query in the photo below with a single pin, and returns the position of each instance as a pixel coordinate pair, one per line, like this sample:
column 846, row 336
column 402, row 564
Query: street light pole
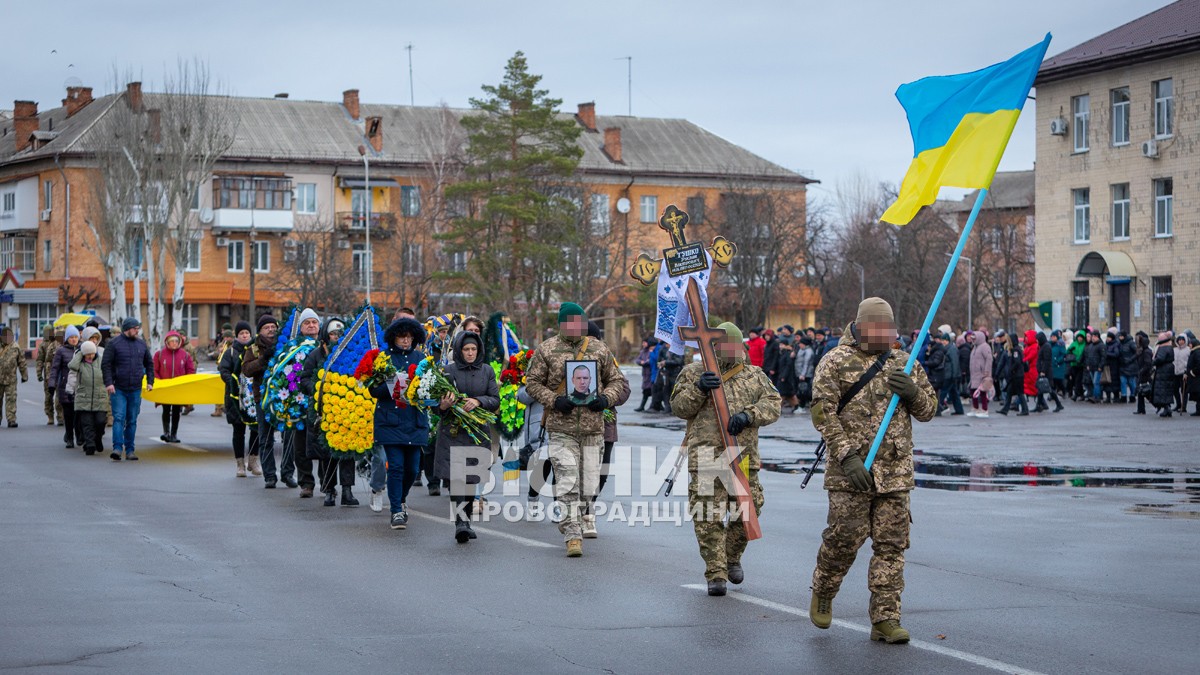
column 362, row 150
column 862, row 282
column 970, row 290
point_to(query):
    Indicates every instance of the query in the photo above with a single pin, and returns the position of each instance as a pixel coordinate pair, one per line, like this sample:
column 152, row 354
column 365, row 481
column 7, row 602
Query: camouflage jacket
column 749, row 391
column 546, row 375
column 12, row 359
column 45, row 356
column 854, row 429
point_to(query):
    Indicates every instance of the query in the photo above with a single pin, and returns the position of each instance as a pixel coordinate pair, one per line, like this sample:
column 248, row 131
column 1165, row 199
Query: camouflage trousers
column 8, row 399
column 721, row 543
column 854, row 516
column 52, row 405
column 576, row 462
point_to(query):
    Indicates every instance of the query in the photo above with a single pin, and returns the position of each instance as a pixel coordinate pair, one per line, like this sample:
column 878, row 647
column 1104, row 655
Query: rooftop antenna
column 628, row 81
column 411, row 99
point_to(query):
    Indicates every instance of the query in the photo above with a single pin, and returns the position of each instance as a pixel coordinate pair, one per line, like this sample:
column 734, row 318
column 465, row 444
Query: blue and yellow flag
column 960, row 126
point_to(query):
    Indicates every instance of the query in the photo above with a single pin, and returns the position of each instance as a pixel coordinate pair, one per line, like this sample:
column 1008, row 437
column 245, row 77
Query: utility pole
column 411, row 98
column 628, row 81
column 862, row 282
column 253, row 251
column 970, row 289
column 370, row 264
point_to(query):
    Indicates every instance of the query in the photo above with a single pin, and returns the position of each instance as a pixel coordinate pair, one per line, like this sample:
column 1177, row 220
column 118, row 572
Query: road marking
column 503, row 535
column 919, row 644
column 185, row 446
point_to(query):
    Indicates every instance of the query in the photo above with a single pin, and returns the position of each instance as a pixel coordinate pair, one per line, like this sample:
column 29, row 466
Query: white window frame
column 1120, row 117
column 1082, row 215
column 10, row 201
column 648, row 209
column 360, row 264
column 1120, row 211
column 1164, row 208
column 1081, row 115
column 306, row 198
column 239, row 257
column 48, row 194
column 192, row 260
column 414, row 260
column 599, row 220
column 189, row 321
column 40, row 316
column 1164, row 108
column 47, row 255
column 261, row 253
column 458, row 261
column 410, row 201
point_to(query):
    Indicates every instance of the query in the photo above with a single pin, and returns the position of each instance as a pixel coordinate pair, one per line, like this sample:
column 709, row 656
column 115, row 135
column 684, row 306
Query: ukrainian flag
column 960, row 126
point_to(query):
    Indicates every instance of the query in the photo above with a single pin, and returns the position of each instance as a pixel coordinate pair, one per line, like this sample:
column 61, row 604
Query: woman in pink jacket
column 172, row 361
column 981, row 375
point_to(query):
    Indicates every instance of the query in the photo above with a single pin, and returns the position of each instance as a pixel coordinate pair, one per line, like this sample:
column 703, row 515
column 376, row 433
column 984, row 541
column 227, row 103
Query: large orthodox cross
column 681, row 259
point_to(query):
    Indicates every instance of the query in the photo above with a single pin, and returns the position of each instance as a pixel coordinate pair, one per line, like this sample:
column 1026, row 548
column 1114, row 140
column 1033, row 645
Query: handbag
column 1105, row 375
column 1144, row 388
column 1043, row 384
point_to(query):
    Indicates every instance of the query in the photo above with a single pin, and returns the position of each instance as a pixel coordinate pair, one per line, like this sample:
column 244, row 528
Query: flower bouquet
column 512, row 411
column 428, row 384
column 283, row 401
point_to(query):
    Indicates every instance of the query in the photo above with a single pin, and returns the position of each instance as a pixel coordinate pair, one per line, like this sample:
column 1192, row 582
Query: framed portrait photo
column 582, row 381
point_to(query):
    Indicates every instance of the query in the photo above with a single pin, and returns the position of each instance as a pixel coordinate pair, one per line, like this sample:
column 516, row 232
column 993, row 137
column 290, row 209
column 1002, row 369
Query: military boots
column 889, row 631
column 820, row 610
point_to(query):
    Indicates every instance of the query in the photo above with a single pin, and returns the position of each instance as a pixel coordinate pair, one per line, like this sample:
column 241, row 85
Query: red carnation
column 412, row 370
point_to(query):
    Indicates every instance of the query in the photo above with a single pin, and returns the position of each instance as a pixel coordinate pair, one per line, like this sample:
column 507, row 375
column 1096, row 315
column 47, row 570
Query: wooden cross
column 674, row 221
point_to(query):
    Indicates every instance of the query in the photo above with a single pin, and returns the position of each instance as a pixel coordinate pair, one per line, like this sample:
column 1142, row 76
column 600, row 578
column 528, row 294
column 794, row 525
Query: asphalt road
column 172, row 564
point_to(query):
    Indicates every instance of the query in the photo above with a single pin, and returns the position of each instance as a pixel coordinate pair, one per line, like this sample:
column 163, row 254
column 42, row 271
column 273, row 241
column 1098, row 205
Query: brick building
column 1118, row 176
column 287, row 205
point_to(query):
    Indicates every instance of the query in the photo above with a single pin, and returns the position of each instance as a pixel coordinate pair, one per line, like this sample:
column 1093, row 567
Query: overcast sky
column 808, row 85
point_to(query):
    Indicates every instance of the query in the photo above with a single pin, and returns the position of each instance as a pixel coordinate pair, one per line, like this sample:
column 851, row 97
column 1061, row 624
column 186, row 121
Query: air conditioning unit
column 289, row 256
column 222, row 242
column 289, row 243
column 46, row 215
column 1150, row 149
column 1058, row 127
column 343, row 243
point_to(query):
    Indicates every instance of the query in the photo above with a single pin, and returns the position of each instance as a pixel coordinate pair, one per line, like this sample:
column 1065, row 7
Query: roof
column 1010, row 190
column 1172, row 30
column 298, row 131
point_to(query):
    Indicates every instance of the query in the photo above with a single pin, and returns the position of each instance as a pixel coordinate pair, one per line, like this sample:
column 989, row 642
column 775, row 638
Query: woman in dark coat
column 230, row 368
column 1045, row 361
column 330, row 471
column 59, row 374
column 478, row 389
column 1112, row 362
column 1193, row 373
column 1015, row 362
column 1163, row 396
column 643, row 360
column 403, row 432
column 1144, row 361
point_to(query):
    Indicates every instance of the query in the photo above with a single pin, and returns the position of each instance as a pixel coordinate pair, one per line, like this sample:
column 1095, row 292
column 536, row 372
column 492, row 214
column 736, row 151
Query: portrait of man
column 581, row 381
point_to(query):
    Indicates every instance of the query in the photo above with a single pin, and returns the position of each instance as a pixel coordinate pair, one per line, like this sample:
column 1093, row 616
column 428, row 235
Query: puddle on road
column 941, row 471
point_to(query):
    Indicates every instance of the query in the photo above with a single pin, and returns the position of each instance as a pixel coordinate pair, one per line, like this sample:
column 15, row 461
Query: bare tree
column 317, row 272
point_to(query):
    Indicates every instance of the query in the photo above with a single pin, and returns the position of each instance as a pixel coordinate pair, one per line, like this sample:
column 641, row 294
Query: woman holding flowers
column 473, row 389
column 401, row 429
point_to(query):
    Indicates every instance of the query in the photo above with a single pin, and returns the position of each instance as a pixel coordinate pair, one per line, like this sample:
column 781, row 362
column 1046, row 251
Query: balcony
column 382, row 224
column 264, row 220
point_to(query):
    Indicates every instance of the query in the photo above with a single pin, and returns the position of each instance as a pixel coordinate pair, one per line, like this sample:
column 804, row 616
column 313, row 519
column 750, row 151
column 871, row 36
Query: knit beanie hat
column 72, row 331
column 569, row 309
column 266, row 319
column 88, row 348
column 227, row 333
column 241, row 326
column 307, row 314
column 731, row 330
column 874, row 309
column 129, row 323
column 1164, row 336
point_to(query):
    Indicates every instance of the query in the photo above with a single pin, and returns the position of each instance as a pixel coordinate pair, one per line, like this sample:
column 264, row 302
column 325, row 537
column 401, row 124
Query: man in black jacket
column 1129, row 367
column 1093, row 361
column 126, row 360
column 935, row 367
column 254, row 365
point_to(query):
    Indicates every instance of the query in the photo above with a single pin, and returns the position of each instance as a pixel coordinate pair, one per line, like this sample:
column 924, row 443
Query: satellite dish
column 623, row 205
column 206, row 215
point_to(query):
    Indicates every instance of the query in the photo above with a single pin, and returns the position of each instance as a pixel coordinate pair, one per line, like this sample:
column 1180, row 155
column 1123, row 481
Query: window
column 458, row 261
column 10, row 201
column 235, row 256
column 189, row 321
column 410, row 200
column 262, row 256
column 47, row 194
column 649, row 209
column 40, row 316
column 695, row 209
column 414, row 259
column 360, row 262
column 47, row 254
column 18, row 253
column 1083, row 215
column 1082, row 308
column 1164, row 206
column 192, row 264
column 457, row 207
column 195, row 205
column 253, row 193
column 306, row 257
column 1080, row 106
column 1164, row 108
column 135, row 253
column 599, row 215
column 1164, row 303
column 306, row 197
column 1120, row 116
column 1120, row 211
column 358, row 204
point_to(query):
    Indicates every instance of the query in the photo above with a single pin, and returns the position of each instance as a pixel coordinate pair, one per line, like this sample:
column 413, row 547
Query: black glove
column 563, row 405
column 738, row 423
column 857, row 474
column 708, row 381
column 598, row 404
column 902, row 383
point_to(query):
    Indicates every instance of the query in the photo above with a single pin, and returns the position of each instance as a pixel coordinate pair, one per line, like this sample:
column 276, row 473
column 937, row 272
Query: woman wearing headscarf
column 170, row 362
column 230, row 368
column 63, row 382
column 1144, row 359
column 980, row 374
column 1164, row 375
column 478, row 389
